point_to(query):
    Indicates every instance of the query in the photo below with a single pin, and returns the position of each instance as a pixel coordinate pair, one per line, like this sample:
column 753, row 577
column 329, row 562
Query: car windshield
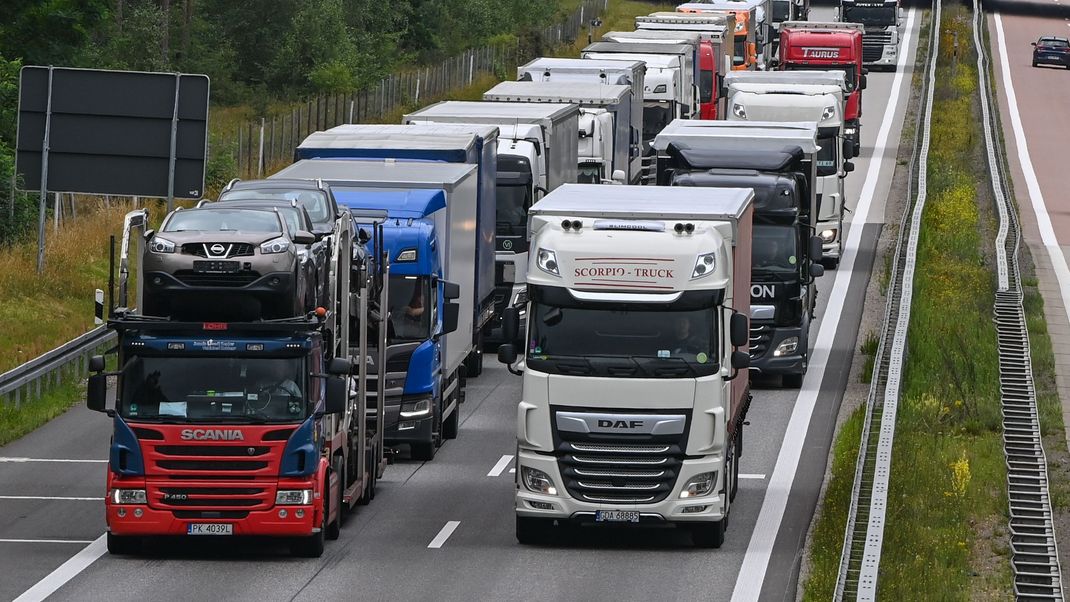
column 410, row 311
column 223, row 220
column 1053, row 43
column 869, row 15
column 774, row 249
column 848, row 71
column 826, row 156
column 646, row 337
column 314, row 201
column 214, row 389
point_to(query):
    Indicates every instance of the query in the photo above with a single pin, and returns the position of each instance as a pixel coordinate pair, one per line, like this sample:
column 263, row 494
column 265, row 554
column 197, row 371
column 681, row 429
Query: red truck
column 816, row 46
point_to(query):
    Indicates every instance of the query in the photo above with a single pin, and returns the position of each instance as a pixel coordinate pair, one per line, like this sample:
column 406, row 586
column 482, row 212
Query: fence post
column 260, row 152
column 471, row 66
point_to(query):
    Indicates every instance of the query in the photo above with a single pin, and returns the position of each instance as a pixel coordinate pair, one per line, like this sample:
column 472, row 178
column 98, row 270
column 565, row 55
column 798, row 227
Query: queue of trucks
column 286, row 340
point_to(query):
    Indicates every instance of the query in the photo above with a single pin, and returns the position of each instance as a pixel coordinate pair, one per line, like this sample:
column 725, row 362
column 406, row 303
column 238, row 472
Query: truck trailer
column 776, row 160
column 608, row 131
column 433, row 246
column 634, row 360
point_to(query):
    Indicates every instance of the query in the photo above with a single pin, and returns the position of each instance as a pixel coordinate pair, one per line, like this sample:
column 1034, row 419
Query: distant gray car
column 226, row 264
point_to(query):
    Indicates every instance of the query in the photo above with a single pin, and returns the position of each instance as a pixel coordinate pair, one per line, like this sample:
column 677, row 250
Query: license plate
column 210, row 529
column 616, row 516
column 215, row 266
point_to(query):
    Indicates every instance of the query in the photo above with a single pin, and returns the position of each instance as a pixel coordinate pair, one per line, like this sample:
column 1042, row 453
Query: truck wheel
column 473, row 364
column 120, row 545
column 532, row 530
column 451, row 425
column 335, row 529
column 792, row 381
column 312, row 546
column 708, row 535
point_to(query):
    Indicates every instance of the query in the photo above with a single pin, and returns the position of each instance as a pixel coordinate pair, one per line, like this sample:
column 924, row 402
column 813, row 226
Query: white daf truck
column 810, row 96
column 634, row 358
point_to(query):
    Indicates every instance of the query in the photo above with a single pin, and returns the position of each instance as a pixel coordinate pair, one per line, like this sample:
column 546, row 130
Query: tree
column 318, row 53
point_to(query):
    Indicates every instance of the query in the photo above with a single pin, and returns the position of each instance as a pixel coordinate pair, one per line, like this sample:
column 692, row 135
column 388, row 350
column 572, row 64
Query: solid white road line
column 77, row 541
column 61, row 460
column 444, row 534
column 55, row 498
column 66, row 571
column 1036, row 197
column 500, row 467
column 745, row 475
column 756, row 561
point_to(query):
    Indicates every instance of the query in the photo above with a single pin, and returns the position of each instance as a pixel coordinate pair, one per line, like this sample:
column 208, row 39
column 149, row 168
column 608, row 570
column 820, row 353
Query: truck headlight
column 786, row 347
column 293, row 497
column 828, row 112
column 161, row 245
column 537, row 481
column 547, row 261
column 739, row 110
column 406, row 255
column 129, row 496
column 828, row 235
column 415, row 409
column 521, row 298
column 275, row 245
column 704, row 265
column 850, row 132
column 699, row 485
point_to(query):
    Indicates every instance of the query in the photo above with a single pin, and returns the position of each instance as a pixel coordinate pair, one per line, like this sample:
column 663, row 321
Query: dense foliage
column 254, row 50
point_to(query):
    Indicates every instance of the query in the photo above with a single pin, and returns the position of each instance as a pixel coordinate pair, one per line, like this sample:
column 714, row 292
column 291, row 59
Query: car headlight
column 161, row 245
column 828, row 112
column 739, row 110
column 129, row 496
column 787, row 346
column 293, row 497
column 537, row 481
column 415, row 409
column 547, row 261
column 699, row 485
column 704, row 265
column 275, row 245
column 828, row 235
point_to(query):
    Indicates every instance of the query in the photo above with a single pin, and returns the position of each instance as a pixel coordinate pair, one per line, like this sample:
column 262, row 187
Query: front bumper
column 889, row 56
column 671, row 509
column 405, row 430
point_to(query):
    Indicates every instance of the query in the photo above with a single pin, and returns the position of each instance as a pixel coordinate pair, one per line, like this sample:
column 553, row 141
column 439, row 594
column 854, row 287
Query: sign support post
column 44, row 179
column 174, row 143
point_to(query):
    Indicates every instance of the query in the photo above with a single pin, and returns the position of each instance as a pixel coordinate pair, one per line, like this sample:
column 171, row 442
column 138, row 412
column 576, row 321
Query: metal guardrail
column 69, row 359
column 859, row 564
column 1034, row 555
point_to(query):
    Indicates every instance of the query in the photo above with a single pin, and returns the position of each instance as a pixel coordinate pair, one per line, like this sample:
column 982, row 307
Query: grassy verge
column 17, row 421
column 945, row 537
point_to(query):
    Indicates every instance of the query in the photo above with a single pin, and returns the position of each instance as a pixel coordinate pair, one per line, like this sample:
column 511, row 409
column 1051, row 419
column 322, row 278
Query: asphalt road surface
column 444, row 530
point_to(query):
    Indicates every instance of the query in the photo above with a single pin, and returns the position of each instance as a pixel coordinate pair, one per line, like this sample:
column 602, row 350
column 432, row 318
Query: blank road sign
column 110, row 131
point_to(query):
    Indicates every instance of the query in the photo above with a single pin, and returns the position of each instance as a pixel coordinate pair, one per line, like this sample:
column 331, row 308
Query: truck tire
column 533, row 530
column 312, row 546
column 474, row 363
column 451, row 425
column 709, row 535
column 334, row 529
column 792, row 381
column 119, row 545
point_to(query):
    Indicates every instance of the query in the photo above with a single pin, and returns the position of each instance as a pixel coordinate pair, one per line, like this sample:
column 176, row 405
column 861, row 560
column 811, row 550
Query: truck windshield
column 627, row 340
column 739, row 50
column 870, row 15
column 410, row 311
column 214, row 389
column 848, row 70
column 513, row 203
column 775, row 249
column 655, row 117
column 826, row 157
column 705, row 86
column 781, row 10
column 314, row 201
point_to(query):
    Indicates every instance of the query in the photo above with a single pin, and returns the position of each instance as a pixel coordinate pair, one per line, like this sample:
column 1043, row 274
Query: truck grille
column 619, row 469
column 760, row 337
column 873, row 44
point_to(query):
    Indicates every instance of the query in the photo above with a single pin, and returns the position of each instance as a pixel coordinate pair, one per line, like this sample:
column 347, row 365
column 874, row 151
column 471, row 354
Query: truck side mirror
column 507, row 354
column 862, row 81
column 510, row 323
column 849, row 149
column 740, row 360
column 817, row 270
column 337, row 396
column 450, row 314
column 450, row 290
column 619, row 177
column 96, row 392
column 96, row 363
column 739, row 330
column 339, row 366
column 848, row 167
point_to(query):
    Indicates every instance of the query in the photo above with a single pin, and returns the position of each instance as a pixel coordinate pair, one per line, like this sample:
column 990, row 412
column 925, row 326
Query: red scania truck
column 244, row 428
column 816, row 46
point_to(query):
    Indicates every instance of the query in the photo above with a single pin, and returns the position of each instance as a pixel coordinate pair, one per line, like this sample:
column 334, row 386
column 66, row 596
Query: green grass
column 17, row 421
column 943, row 539
column 868, row 348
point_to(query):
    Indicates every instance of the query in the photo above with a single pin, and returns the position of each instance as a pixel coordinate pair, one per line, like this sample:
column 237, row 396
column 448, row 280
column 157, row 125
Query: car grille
column 760, row 337
column 619, row 469
column 228, row 279
column 202, row 249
